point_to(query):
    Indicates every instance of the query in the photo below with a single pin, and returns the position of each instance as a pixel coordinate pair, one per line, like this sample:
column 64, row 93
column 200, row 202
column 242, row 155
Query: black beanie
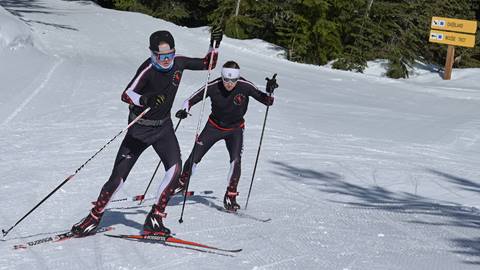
column 161, row 36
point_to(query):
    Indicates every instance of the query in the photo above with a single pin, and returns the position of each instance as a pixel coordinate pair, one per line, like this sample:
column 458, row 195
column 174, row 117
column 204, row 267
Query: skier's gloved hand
column 152, row 100
column 206, row 60
column 216, row 35
column 271, row 83
column 181, row 114
column 269, row 100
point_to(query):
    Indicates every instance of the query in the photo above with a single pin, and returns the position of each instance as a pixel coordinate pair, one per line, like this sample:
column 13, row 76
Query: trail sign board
column 455, row 25
column 454, row 32
column 452, row 38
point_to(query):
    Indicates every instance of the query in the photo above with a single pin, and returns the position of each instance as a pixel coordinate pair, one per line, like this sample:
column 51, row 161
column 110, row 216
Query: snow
column 357, row 171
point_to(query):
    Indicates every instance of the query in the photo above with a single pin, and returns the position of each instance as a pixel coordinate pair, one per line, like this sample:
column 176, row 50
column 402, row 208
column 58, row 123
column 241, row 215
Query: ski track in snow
column 34, row 92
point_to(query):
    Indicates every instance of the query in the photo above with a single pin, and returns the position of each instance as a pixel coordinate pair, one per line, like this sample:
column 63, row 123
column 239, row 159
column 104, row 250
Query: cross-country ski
column 172, row 240
column 56, row 238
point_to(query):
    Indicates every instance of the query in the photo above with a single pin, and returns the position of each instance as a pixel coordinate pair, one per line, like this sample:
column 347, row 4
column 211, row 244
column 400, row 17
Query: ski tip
column 113, row 235
column 17, row 247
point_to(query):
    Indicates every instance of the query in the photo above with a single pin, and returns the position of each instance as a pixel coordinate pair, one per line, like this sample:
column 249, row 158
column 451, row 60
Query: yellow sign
column 451, row 38
column 457, row 25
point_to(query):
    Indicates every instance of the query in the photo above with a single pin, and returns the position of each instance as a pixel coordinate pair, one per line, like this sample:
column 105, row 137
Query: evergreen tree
column 351, row 32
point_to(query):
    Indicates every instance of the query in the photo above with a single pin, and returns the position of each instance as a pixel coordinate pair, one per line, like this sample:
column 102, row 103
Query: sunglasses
column 164, row 56
column 229, row 80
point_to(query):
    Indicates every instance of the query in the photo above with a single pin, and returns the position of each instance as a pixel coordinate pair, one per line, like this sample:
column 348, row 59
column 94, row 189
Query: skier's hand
column 182, row 114
column 206, row 60
column 216, row 35
column 152, row 100
column 271, row 83
column 269, row 100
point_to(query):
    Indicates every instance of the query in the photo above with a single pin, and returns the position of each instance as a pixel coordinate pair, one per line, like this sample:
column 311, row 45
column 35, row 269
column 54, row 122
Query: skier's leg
column 207, row 138
column 168, row 150
column 127, row 155
column 234, row 143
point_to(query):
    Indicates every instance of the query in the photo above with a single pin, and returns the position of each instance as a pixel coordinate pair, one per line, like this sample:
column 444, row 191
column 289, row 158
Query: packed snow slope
column 356, row 171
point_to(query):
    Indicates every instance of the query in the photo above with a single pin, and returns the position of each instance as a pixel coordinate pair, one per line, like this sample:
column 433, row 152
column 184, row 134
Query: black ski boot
column 230, row 201
column 153, row 223
column 88, row 225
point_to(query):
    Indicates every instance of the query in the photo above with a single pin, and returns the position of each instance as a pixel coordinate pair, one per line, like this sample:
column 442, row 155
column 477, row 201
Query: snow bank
column 14, row 33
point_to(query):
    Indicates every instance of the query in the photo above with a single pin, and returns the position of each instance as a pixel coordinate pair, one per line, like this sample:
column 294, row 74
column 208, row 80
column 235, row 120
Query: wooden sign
column 453, row 32
column 456, row 25
column 452, row 38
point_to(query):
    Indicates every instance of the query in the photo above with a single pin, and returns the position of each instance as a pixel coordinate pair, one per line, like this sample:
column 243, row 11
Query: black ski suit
column 154, row 129
column 225, row 122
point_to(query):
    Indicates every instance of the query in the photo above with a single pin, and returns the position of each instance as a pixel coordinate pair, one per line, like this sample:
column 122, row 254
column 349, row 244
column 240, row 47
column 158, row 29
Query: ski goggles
column 230, row 80
column 163, row 56
column 230, row 75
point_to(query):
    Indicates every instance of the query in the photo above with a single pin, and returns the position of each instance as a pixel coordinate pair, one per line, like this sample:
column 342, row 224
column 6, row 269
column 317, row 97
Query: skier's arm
column 194, row 99
column 259, row 95
column 200, row 63
column 132, row 95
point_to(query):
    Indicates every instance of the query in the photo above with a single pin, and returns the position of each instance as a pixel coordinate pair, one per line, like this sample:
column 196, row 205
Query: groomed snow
column 357, row 171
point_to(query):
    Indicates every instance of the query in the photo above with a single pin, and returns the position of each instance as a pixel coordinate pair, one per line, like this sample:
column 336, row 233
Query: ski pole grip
column 271, row 84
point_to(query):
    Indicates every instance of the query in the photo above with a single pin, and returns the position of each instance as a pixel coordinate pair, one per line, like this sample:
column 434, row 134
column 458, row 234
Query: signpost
column 455, row 25
column 453, row 32
column 452, row 38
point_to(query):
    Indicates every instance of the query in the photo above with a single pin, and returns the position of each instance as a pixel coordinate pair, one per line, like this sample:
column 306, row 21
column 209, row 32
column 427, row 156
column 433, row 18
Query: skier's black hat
column 161, row 36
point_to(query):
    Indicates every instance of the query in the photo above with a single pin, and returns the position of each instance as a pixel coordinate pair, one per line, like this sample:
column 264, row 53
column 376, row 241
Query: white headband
column 230, row 73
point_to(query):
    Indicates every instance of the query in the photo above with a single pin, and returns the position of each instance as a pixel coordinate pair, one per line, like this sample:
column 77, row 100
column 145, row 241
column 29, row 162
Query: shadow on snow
column 21, row 7
column 376, row 197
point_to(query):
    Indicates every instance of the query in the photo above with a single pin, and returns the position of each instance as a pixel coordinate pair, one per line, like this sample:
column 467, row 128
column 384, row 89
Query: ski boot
column 87, row 225
column 153, row 223
column 230, row 201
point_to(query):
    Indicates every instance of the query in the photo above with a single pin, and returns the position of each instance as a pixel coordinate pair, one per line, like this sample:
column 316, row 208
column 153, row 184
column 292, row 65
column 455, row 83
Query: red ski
column 169, row 239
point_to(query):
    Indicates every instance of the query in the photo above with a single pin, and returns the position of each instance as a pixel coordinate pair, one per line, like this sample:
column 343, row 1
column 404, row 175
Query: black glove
column 271, row 83
column 269, row 100
column 216, row 35
column 181, row 114
column 152, row 100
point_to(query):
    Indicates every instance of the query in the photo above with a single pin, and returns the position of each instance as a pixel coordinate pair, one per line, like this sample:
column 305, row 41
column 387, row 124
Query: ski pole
column 71, row 176
column 156, row 169
column 210, row 63
column 260, row 144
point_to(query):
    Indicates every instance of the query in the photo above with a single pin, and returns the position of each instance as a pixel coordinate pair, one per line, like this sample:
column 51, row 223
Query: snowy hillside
column 357, row 171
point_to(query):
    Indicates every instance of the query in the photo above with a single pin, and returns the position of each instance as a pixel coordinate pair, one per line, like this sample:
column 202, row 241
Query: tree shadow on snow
column 376, row 197
column 463, row 183
column 21, row 7
column 17, row 7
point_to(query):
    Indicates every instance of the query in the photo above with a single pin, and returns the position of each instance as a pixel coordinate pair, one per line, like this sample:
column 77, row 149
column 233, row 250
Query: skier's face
column 230, row 77
column 229, row 85
column 165, row 55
